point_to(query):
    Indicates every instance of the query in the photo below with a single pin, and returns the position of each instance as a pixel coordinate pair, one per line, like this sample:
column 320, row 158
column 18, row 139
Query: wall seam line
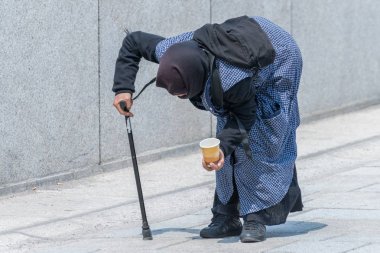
column 291, row 17
column 210, row 11
column 99, row 103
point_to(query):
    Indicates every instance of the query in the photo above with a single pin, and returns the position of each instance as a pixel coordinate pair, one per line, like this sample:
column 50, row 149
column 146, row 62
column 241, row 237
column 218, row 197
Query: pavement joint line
column 340, row 147
column 332, row 237
column 174, row 244
column 33, row 236
column 324, row 176
column 363, row 187
column 362, row 246
column 94, row 251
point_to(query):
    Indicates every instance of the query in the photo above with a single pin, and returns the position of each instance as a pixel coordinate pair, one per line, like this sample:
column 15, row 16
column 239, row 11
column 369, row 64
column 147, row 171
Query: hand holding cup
column 213, row 157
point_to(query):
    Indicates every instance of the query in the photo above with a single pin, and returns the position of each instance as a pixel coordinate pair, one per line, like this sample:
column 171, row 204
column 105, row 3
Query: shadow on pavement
column 175, row 230
column 292, row 228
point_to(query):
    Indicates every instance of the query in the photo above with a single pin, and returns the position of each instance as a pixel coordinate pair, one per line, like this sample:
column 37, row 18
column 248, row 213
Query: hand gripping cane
column 147, row 234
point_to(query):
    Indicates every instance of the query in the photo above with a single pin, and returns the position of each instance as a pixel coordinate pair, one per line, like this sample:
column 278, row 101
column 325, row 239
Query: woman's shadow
column 290, row 228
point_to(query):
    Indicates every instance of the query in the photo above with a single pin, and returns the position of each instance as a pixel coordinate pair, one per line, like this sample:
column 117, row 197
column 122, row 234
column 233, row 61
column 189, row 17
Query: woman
column 257, row 116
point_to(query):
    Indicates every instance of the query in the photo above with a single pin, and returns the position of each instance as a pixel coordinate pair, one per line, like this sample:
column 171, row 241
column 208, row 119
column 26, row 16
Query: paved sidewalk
column 339, row 174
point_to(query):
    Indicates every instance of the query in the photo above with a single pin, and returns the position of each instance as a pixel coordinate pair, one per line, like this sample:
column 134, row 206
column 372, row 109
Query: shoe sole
column 248, row 240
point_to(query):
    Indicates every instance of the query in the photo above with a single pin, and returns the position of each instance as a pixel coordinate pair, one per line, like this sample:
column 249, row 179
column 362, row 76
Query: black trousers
column 274, row 215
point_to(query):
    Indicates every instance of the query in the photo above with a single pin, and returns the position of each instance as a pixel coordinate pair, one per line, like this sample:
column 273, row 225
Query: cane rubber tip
column 147, row 234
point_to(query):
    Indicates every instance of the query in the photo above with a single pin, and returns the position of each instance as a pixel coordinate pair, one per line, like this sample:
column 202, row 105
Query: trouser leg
column 231, row 208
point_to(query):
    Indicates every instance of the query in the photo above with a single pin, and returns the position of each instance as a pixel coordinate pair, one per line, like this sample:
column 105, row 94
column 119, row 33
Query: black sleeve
column 240, row 100
column 135, row 45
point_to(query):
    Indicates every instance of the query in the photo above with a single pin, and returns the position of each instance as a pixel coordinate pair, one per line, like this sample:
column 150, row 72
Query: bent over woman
column 257, row 117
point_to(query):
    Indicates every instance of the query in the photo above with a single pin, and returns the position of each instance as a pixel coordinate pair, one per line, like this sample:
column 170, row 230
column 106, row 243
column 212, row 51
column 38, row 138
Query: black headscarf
column 183, row 69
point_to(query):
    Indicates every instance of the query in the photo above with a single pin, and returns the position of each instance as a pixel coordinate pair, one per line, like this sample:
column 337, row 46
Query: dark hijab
column 183, row 69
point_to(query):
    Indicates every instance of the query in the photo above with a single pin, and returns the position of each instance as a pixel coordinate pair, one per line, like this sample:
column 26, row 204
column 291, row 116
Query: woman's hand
column 216, row 165
column 127, row 98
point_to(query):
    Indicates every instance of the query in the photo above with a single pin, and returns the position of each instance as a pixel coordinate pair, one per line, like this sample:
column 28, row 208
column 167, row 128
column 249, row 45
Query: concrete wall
column 57, row 61
column 49, row 120
column 339, row 42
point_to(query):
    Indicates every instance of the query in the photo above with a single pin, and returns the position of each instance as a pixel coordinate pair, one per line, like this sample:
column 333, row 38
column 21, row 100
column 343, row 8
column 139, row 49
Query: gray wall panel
column 341, row 61
column 277, row 11
column 48, row 98
column 160, row 120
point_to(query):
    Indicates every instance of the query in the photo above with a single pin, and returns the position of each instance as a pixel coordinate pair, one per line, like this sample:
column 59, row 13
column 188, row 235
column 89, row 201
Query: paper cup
column 210, row 149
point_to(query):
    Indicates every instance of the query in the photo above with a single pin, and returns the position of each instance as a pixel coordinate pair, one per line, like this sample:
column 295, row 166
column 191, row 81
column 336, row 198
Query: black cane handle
column 123, row 106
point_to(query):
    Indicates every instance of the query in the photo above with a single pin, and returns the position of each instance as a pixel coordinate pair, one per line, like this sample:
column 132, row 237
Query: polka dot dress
column 263, row 181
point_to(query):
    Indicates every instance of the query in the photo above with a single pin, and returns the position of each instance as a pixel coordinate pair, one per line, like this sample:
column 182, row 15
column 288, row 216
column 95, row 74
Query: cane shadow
column 290, row 228
column 175, row 230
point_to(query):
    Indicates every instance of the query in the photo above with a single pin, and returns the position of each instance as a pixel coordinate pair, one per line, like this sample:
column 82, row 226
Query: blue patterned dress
column 263, row 181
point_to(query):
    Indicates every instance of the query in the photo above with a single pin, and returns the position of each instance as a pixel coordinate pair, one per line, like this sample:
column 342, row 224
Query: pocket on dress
column 268, row 134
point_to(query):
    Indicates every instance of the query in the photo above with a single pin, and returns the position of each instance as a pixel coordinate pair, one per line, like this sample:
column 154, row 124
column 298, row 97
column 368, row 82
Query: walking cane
column 147, row 234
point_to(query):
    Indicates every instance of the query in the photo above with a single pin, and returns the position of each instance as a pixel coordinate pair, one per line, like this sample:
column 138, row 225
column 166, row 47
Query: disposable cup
column 210, row 149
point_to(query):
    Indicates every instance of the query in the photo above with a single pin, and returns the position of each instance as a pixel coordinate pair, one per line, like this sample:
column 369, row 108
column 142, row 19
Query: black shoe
column 253, row 232
column 222, row 226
